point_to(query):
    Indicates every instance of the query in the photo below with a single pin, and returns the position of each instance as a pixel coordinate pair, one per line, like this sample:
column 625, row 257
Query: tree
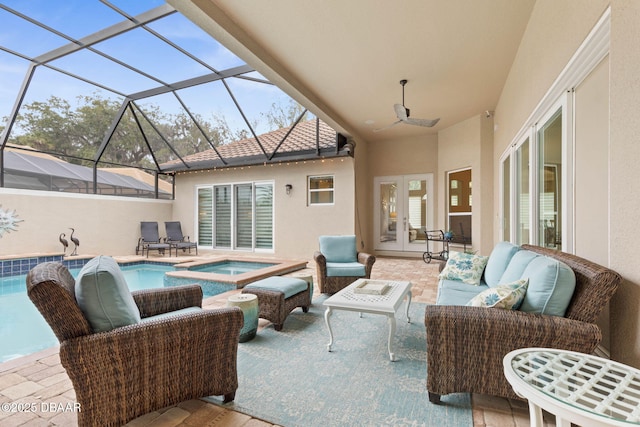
column 282, row 116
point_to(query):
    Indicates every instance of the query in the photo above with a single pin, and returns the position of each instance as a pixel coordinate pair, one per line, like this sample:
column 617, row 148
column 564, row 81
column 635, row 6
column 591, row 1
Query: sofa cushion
column 465, row 267
column 498, row 261
column 519, row 262
column 103, row 295
column 551, row 286
column 455, row 292
column 348, row 269
column 508, row 296
column 339, row 248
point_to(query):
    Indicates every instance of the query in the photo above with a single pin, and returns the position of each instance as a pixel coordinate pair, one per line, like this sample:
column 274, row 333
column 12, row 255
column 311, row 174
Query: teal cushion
column 339, row 248
column 169, row 314
column 349, row 269
column 457, row 295
column 551, row 286
column 446, row 284
column 289, row 286
column 508, row 296
column 465, row 267
column 103, row 295
column 498, row 262
column 517, row 265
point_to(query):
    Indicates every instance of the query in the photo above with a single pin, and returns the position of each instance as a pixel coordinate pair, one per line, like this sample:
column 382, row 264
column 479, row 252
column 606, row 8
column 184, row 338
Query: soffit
column 344, row 59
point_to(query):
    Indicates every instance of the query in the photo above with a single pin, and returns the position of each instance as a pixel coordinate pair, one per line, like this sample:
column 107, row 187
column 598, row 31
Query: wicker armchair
column 330, row 284
column 132, row 370
column 466, row 345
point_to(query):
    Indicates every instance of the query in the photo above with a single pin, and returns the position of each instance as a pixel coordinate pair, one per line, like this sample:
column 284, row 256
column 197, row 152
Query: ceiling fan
column 402, row 113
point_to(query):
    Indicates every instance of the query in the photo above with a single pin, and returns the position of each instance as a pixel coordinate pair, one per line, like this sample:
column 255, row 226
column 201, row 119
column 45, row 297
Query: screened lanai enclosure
column 115, row 97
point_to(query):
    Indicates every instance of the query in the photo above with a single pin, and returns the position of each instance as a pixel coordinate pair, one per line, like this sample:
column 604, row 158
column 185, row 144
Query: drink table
column 576, row 387
column 386, row 304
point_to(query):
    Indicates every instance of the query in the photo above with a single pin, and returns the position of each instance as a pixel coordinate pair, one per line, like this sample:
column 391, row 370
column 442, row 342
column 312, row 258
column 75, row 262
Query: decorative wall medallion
column 8, row 221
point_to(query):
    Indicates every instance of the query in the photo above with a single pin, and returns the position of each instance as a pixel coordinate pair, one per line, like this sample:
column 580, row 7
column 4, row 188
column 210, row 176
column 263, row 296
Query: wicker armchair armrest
column 319, row 258
column 153, row 364
column 151, row 302
column 367, row 260
column 466, row 345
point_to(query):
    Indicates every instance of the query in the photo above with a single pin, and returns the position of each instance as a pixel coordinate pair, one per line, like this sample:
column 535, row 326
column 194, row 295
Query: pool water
column 23, row 330
column 231, row 267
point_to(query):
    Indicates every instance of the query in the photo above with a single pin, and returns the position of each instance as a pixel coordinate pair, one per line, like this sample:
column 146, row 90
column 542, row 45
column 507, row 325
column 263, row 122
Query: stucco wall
column 468, row 144
column 554, row 33
column 407, row 156
column 297, row 225
column 105, row 225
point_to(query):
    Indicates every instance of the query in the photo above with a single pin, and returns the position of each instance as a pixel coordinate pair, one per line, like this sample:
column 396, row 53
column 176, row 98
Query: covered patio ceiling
column 344, row 59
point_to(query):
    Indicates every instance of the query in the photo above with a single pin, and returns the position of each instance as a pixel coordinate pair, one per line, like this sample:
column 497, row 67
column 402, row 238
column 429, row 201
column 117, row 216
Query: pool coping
column 283, row 266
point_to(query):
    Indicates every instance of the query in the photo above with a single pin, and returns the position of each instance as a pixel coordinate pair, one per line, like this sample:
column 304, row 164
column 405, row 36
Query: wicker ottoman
column 278, row 296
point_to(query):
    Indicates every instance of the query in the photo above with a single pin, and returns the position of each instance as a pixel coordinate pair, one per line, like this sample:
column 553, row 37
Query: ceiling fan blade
column 421, row 122
column 387, row 127
column 401, row 111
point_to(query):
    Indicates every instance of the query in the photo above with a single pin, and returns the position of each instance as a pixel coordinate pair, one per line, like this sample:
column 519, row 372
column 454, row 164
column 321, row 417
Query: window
column 236, row 216
column 321, row 190
column 460, row 205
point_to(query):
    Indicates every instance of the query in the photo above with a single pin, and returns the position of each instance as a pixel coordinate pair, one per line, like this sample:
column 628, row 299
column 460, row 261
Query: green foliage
column 77, row 132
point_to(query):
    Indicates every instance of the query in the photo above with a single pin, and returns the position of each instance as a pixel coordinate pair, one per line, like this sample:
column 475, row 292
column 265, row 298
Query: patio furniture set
column 150, row 239
column 112, row 359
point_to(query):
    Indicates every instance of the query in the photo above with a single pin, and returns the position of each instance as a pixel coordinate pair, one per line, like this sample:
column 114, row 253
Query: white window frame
column 311, row 191
column 234, row 244
column 560, row 95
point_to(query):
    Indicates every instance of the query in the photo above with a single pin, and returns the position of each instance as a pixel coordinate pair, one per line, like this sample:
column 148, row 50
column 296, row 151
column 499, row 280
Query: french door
column 403, row 212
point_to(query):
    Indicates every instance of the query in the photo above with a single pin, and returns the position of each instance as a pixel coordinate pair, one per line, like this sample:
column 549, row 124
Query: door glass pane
column 223, row 216
column 417, row 217
column 522, row 182
column 550, row 165
column 205, row 216
column 244, row 216
column 388, row 211
column 506, row 199
column 264, row 216
column 460, row 205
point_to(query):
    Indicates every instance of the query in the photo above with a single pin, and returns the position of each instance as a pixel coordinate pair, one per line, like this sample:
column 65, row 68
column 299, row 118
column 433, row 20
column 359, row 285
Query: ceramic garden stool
column 248, row 303
column 307, row 278
column 278, row 296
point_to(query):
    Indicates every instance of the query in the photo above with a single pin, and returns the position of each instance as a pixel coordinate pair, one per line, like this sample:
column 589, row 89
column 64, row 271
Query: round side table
column 248, row 303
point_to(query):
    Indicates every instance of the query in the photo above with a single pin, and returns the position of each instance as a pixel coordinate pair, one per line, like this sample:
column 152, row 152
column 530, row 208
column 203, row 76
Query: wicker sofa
column 466, row 345
column 132, row 370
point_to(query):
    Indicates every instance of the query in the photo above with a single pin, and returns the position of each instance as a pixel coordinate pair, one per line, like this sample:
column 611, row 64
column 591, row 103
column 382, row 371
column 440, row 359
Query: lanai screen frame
column 129, row 103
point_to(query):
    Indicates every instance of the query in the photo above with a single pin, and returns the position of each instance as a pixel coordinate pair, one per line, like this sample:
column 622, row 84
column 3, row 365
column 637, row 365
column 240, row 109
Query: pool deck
column 41, row 378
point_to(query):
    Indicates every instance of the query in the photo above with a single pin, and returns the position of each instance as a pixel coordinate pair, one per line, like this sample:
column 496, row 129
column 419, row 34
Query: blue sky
column 79, row 18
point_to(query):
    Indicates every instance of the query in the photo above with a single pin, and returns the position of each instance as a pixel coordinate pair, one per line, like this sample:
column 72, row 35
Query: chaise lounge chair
column 176, row 239
column 150, row 240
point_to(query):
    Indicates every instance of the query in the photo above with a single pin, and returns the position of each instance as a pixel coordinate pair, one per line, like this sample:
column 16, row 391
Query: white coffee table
column 386, row 304
column 576, row 387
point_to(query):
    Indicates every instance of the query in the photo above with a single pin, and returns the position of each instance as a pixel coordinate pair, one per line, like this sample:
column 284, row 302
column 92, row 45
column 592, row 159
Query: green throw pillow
column 103, row 295
column 464, row 267
column 508, row 296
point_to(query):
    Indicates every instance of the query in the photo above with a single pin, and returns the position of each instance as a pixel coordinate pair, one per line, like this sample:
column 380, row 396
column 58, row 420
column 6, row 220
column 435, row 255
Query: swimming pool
column 231, row 267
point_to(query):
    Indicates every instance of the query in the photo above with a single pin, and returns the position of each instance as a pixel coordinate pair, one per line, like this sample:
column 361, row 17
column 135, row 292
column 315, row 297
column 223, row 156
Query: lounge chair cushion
column 467, row 268
column 508, row 296
column 103, row 295
column 551, row 286
column 347, row 269
column 289, row 286
column 498, row 262
column 339, row 248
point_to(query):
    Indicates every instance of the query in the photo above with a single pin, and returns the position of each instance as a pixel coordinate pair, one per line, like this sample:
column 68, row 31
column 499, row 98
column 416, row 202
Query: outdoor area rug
column 289, row 378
